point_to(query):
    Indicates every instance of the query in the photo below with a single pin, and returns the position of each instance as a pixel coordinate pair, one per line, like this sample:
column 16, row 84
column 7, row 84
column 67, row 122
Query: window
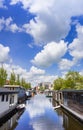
column 6, row 98
column 2, row 98
column 11, row 99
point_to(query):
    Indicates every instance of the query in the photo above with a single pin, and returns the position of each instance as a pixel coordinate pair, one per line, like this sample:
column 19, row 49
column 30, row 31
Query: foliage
column 73, row 80
column 12, row 78
column 25, row 84
column 18, row 79
column 58, row 83
column 3, row 76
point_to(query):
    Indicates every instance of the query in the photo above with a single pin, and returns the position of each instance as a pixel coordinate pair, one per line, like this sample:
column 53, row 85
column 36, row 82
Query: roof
column 6, row 91
column 15, row 86
column 72, row 90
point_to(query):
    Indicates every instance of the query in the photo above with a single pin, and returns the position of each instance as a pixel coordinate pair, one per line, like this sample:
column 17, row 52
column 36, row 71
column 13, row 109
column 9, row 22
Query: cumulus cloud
column 2, row 5
column 75, row 50
column 35, row 71
column 4, row 53
column 53, row 18
column 51, row 53
column 34, row 75
column 66, row 64
column 76, row 47
column 8, row 25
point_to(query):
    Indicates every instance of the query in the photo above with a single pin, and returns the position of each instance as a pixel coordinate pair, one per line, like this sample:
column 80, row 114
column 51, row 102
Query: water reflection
column 42, row 114
column 38, row 105
column 12, row 122
column 39, row 115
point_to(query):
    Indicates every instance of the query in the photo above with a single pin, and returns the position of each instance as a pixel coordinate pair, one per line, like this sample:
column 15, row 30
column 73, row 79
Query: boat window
column 6, row 98
column 2, row 98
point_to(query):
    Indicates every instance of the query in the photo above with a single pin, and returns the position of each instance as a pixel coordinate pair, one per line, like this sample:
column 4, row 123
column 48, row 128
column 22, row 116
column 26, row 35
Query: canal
column 40, row 115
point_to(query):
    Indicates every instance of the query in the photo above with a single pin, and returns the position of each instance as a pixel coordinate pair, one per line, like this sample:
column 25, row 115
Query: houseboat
column 21, row 91
column 71, row 100
column 8, row 101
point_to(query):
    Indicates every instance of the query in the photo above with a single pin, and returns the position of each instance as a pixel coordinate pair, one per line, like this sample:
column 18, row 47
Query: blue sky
column 41, row 40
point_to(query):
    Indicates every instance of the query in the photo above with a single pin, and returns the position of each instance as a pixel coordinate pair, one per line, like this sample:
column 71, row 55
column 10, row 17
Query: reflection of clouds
column 38, row 105
column 42, row 115
column 47, row 123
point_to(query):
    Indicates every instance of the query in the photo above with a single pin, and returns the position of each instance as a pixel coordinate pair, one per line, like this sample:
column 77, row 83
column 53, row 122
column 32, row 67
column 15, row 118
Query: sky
column 41, row 40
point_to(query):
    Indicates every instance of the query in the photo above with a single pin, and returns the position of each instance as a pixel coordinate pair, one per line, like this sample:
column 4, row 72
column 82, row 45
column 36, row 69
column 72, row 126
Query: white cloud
column 36, row 71
column 34, row 75
column 2, row 5
column 66, row 64
column 76, row 47
column 52, row 21
column 4, row 53
column 75, row 50
column 8, row 25
column 51, row 53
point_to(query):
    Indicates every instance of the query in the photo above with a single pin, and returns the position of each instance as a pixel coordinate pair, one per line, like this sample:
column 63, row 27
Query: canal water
column 40, row 115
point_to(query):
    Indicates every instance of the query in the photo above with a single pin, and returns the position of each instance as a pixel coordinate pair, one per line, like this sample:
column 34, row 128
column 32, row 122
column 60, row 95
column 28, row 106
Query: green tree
column 22, row 82
column 18, row 79
column 73, row 80
column 58, row 84
column 3, row 76
column 12, row 78
column 27, row 86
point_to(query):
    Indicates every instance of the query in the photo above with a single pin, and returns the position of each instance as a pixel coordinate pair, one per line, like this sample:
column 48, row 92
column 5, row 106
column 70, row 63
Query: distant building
column 46, row 85
column 21, row 91
column 8, row 100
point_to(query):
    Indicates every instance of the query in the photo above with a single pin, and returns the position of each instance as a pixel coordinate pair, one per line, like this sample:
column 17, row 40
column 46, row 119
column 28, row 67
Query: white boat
column 21, row 106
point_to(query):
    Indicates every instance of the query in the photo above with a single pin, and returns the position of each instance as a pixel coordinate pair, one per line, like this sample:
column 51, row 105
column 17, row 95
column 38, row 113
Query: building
column 45, row 85
column 21, row 91
column 8, row 100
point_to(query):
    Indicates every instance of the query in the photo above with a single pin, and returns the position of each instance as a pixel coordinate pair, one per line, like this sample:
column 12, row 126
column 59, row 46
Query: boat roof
column 6, row 91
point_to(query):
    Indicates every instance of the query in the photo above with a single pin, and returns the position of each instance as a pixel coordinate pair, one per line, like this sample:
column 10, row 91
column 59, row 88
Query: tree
column 73, row 80
column 3, row 76
column 22, row 82
column 12, row 78
column 58, row 84
column 18, row 80
column 27, row 86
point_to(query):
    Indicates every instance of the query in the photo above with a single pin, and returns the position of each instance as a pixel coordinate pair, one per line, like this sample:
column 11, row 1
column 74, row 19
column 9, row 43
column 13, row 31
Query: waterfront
column 40, row 115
